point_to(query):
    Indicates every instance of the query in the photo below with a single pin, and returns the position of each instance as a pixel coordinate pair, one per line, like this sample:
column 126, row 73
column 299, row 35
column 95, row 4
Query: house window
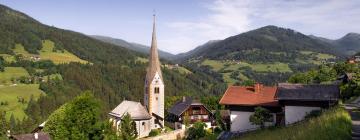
column 144, row 126
column 157, row 90
column 196, row 110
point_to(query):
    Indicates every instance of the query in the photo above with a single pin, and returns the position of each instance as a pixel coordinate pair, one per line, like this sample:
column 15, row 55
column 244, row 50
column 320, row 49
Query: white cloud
column 328, row 18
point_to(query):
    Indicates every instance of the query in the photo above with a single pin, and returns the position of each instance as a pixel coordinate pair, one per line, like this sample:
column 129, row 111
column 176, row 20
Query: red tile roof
column 246, row 96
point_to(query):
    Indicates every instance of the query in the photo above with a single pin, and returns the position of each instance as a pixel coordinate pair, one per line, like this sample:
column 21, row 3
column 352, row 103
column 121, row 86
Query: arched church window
column 157, row 90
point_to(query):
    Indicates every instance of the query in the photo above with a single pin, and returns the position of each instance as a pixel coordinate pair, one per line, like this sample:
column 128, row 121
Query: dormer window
column 157, row 90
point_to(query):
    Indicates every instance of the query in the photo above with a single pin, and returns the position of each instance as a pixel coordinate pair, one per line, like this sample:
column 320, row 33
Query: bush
column 313, row 114
column 217, row 130
column 197, row 131
column 260, row 116
column 154, row 132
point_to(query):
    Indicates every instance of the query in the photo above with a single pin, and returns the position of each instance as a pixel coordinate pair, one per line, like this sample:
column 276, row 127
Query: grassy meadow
column 12, row 73
column 11, row 95
column 8, row 58
column 57, row 57
column 47, row 53
column 229, row 66
column 332, row 124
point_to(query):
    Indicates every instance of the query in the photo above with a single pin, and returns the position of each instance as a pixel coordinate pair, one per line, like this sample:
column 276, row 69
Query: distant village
column 287, row 104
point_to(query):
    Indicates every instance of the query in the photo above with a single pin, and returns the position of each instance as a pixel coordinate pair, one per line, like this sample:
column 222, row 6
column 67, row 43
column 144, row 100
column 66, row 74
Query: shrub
column 260, row 116
column 197, row 131
column 154, row 132
column 312, row 114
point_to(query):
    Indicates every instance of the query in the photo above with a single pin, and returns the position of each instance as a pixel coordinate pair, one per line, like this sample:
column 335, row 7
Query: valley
column 53, row 75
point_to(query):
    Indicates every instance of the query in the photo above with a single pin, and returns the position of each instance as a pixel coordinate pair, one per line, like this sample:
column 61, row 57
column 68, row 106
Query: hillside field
column 12, row 73
column 57, row 57
column 47, row 53
column 11, row 93
column 227, row 66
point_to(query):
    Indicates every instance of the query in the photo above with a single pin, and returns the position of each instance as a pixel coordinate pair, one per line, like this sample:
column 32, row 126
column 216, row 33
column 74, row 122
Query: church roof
column 154, row 62
column 135, row 109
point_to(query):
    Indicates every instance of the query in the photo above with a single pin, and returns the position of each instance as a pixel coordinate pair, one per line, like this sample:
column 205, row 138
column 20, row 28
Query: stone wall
column 172, row 135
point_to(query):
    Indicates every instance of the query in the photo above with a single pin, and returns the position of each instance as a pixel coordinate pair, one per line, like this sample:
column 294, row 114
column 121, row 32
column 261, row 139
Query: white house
column 288, row 103
column 298, row 100
column 242, row 101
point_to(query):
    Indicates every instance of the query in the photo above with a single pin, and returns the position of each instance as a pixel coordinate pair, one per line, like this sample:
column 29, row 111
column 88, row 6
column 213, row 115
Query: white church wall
column 143, row 128
column 297, row 113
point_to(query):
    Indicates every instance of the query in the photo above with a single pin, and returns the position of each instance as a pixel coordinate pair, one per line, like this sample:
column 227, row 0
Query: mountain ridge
column 268, row 54
column 132, row 46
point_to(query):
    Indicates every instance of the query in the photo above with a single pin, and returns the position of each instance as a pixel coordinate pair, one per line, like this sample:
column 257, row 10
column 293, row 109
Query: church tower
column 154, row 86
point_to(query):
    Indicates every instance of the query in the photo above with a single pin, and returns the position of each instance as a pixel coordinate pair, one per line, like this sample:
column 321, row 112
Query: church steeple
column 154, row 90
column 154, row 63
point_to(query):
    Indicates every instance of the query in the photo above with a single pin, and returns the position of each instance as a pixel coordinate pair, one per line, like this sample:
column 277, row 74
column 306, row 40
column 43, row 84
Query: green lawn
column 10, row 73
column 332, row 124
column 10, row 94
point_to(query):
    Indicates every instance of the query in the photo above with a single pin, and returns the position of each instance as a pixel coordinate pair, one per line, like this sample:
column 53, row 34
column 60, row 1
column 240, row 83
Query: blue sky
column 184, row 24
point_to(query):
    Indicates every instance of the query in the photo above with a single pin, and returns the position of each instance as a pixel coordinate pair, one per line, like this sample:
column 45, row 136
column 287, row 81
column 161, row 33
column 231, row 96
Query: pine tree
column 3, row 124
column 12, row 122
column 128, row 128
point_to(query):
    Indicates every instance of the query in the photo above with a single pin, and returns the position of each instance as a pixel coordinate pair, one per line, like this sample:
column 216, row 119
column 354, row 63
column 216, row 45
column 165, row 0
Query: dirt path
column 354, row 110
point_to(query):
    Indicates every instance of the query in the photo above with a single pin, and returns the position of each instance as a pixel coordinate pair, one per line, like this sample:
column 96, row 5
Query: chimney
column 36, row 135
column 257, row 87
column 184, row 99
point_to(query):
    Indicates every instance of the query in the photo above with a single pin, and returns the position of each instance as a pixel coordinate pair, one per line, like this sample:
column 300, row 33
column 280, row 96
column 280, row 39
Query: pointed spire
column 154, row 62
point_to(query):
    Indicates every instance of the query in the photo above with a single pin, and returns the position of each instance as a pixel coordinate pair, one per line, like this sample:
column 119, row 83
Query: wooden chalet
column 188, row 107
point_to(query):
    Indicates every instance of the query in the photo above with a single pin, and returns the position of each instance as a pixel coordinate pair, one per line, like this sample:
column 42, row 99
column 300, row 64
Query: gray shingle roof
column 181, row 106
column 135, row 109
column 315, row 92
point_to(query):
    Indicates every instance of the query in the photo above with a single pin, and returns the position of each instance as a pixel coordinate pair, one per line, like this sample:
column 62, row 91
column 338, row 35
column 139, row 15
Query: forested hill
column 56, row 65
column 259, row 43
column 133, row 46
column 348, row 44
column 268, row 54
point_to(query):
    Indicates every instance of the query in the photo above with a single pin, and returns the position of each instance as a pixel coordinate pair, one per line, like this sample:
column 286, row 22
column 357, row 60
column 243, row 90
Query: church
column 150, row 114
